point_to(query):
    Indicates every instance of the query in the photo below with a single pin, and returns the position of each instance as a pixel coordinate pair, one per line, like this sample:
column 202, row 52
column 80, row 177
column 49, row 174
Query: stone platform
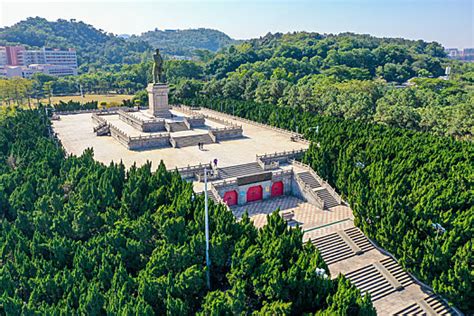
column 76, row 134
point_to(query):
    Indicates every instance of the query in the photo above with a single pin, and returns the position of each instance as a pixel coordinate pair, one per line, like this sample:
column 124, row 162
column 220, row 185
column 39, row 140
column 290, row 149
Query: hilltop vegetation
column 94, row 47
column 185, row 42
column 79, row 237
column 349, row 76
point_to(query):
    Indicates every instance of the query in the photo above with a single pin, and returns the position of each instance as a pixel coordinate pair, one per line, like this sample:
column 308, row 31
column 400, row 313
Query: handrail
column 194, row 167
column 225, row 182
column 151, row 136
column 226, row 128
column 281, row 130
column 136, row 119
column 281, row 154
column 282, row 172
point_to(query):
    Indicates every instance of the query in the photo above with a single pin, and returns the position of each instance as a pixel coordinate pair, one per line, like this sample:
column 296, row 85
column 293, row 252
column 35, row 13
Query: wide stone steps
column 240, row 170
column 359, row 239
column 397, row 272
column 102, row 129
column 413, row 309
column 430, row 305
column 333, row 248
column 328, row 199
column 176, row 127
column 308, row 178
column 369, row 279
column 192, row 140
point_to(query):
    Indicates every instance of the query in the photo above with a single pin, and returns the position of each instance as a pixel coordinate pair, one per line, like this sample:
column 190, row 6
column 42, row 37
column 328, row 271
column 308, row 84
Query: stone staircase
column 240, row 170
column 176, row 127
column 397, row 271
column 369, row 279
column 308, row 178
column 321, row 191
column 102, row 129
column 333, row 248
column 341, row 245
column 358, row 237
column 430, row 305
column 190, row 140
column 380, row 278
column 328, row 199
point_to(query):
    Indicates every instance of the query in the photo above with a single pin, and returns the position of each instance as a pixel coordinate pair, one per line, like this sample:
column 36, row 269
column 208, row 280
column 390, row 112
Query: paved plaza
column 76, row 134
column 306, row 215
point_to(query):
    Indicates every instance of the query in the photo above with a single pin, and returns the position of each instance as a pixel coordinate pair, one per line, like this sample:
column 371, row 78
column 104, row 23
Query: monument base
column 158, row 100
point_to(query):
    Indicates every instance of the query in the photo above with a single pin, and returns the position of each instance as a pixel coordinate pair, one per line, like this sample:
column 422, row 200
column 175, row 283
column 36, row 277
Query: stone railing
column 149, row 141
column 186, row 110
column 223, row 133
column 119, row 135
column 268, row 165
column 212, row 175
column 284, row 156
column 220, row 120
column 282, row 173
column 294, row 136
column 97, row 119
column 323, row 183
column 217, row 195
column 99, row 111
column 308, row 193
column 225, row 183
column 187, row 107
column 194, row 121
column 150, row 125
column 191, row 171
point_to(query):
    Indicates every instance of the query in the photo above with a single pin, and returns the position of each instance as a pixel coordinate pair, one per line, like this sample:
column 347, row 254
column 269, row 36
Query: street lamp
column 438, row 228
column 206, row 221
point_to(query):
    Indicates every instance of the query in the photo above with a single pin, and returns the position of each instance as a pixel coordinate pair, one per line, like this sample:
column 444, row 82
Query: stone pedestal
column 158, row 100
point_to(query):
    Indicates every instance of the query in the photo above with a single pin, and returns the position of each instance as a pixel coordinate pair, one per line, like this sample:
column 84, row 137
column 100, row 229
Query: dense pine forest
column 400, row 184
column 79, row 237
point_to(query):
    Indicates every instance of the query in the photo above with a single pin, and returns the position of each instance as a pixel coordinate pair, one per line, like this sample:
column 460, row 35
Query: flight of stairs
column 329, row 201
column 322, row 192
column 191, row 140
column 334, row 248
column 308, row 178
column 431, row 304
column 240, row 170
column 102, row 129
column 176, row 127
column 369, row 280
column 359, row 239
column 397, row 271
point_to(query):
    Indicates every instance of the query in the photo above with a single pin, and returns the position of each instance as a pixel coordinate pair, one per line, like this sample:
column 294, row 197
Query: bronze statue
column 157, row 67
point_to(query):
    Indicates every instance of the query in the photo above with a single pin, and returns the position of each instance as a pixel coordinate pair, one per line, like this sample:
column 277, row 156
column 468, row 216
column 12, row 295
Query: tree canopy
column 402, row 186
column 79, row 237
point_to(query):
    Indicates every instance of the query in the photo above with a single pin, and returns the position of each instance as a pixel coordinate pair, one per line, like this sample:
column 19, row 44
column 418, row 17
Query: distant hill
column 184, row 42
column 94, row 46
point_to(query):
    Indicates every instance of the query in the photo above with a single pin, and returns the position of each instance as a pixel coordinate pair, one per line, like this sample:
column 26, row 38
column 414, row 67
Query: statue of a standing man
column 157, row 67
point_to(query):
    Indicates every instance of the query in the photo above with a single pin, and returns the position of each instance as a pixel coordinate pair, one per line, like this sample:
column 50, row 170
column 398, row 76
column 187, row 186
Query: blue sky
column 449, row 22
